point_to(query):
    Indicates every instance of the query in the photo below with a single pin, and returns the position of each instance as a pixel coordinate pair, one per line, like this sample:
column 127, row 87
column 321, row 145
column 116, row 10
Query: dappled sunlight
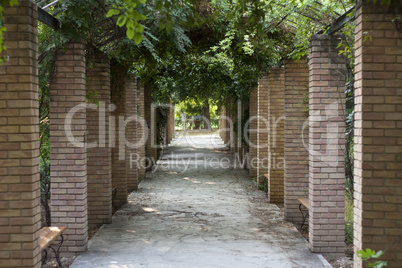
column 164, row 249
column 146, row 241
column 192, row 180
column 150, row 210
column 120, row 266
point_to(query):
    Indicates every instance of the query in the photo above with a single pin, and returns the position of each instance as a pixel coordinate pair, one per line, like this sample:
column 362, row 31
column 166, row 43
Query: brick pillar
column 99, row 156
column 276, row 110
column 229, row 125
column 223, row 125
column 19, row 135
column 296, row 129
column 263, row 129
column 68, row 156
column 168, row 124
column 167, row 127
column 119, row 169
column 149, row 151
column 252, row 135
column 172, row 123
column 232, row 116
column 326, row 146
column 378, row 134
column 131, row 133
column 245, row 109
column 141, row 131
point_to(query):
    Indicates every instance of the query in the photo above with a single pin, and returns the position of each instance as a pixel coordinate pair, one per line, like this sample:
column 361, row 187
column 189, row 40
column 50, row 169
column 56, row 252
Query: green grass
column 348, row 219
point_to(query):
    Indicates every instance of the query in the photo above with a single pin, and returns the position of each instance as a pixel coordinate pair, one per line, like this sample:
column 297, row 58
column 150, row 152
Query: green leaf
column 141, row 17
column 378, row 254
column 139, row 28
column 138, row 38
column 130, row 33
column 121, row 20
column 130, row 24
column 112, row 12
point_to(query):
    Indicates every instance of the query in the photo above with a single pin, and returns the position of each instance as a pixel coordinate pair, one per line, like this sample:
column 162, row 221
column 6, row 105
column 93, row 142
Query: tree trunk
column 197, row 124
column 206, row 114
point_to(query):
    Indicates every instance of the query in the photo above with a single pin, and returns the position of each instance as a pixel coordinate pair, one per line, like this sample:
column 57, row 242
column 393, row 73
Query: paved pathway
column 190, row 214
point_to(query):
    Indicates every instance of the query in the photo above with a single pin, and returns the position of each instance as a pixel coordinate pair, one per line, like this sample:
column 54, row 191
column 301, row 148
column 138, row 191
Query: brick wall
column 119, row 169
column 141, row 130
column 296, row 128
column 253, row 133
column 378, row 134
column 19, row 135
column 276, row 112
column 69, row 161
column 99, row 157
column 263, row 129
column 131, row 132
column 326, row 146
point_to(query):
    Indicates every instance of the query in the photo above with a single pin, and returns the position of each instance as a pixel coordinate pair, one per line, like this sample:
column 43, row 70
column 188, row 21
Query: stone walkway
column 192, row 212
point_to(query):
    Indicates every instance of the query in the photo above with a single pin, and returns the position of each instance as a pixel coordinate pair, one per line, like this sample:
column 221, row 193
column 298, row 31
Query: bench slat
column 49, row 234
column 304, row 202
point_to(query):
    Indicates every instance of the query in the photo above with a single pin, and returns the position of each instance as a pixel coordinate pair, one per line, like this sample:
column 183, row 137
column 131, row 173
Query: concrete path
column 192, row 212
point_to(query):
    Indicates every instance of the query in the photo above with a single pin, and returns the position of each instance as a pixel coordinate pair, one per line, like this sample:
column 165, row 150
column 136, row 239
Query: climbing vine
column 3, row 4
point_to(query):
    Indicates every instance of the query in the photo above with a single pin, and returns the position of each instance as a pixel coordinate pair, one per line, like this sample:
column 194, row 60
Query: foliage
column 262, row 183
column 347, row 49
column 161, row 122
column 190, row 51
column 348, row 219
column 244, row 131
column 3, row 4
column 371, row 258
column 129, row 17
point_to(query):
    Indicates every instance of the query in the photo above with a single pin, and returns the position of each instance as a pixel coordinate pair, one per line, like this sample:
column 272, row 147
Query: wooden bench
column 304, row 201
column 47, row 236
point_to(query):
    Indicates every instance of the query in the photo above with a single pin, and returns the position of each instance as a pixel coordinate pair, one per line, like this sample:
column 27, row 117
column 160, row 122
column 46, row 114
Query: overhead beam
column 339, row 23
column 48, row 19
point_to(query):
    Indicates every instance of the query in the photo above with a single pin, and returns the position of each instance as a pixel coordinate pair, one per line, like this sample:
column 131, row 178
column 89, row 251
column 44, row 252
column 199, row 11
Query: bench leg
column 44, row 258
column 304, row 217
column 57, row 252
